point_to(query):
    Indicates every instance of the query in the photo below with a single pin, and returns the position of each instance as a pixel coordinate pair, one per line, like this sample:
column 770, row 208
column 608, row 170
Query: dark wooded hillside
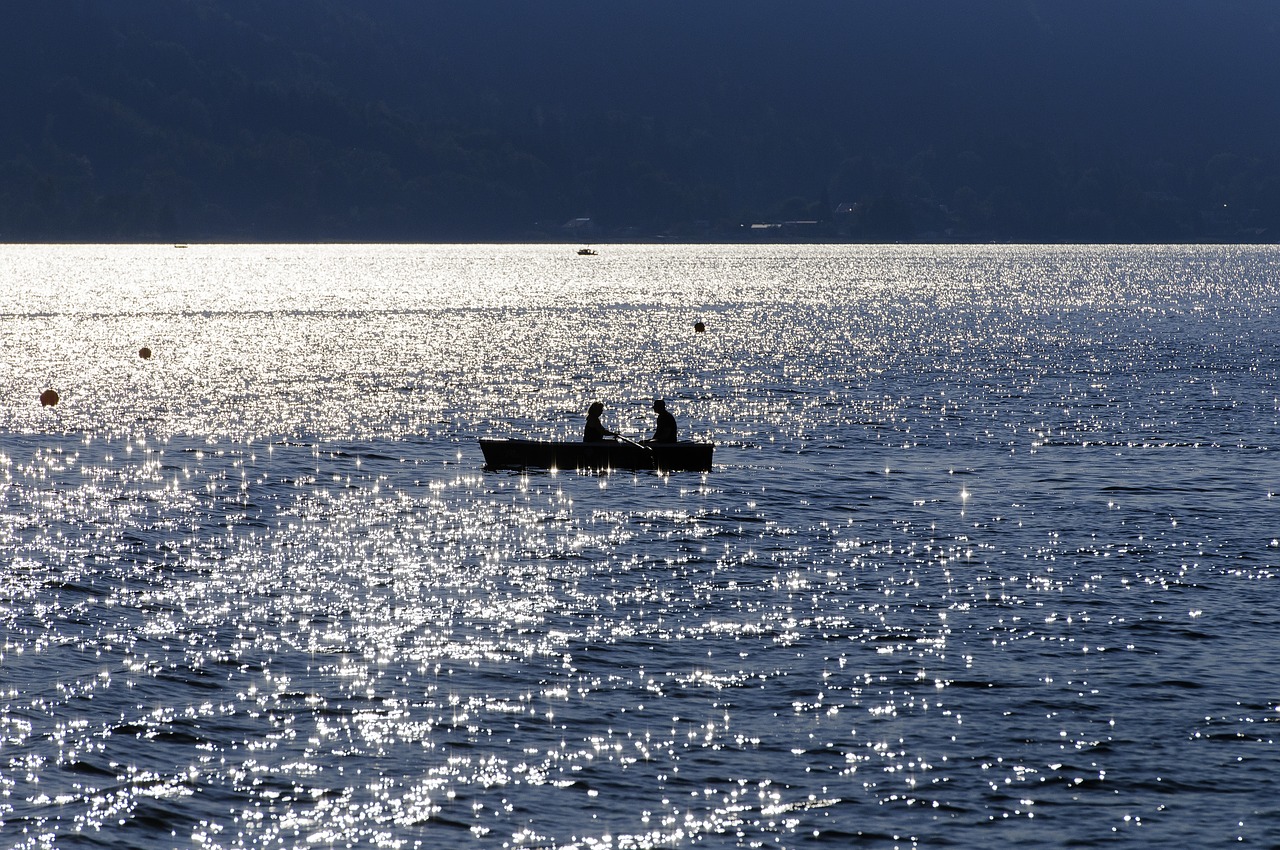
column 1010, row 120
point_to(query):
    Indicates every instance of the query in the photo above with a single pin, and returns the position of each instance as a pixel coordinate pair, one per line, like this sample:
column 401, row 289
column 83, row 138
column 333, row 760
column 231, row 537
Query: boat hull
column 546, row 454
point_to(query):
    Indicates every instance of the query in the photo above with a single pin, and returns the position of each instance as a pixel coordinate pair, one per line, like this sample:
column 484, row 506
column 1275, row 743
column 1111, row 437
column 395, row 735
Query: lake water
column 990, row 555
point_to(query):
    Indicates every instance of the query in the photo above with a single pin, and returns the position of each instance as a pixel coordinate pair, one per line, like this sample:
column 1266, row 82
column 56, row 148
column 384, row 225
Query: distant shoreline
column 179, row 243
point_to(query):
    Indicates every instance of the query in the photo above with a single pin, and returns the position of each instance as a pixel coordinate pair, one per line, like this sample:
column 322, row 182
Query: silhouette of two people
column 595, row 431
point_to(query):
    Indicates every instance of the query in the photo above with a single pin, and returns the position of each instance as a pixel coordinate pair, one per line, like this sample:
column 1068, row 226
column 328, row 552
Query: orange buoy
column 699, row 327
column 49, row 398
column 144, row 353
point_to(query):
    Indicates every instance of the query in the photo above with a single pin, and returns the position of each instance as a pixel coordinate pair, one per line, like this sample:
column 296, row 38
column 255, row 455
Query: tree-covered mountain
column 1031, row 120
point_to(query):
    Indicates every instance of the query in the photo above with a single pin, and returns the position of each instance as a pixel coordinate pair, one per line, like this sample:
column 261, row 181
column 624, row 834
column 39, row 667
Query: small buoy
column 144, row 353
column 49, row 398
column 699, row 327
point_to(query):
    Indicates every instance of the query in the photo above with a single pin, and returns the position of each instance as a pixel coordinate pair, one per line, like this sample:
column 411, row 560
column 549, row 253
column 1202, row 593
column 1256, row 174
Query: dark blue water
column 989, row 556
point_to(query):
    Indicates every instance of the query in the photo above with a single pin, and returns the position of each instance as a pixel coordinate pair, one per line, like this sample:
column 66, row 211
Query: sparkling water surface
column 989, row 555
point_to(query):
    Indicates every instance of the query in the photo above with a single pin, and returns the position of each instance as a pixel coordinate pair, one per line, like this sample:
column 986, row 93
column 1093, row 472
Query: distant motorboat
column 586, row 252
column 684, row 456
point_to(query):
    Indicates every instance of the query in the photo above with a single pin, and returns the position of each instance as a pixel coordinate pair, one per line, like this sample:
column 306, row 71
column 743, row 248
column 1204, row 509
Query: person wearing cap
column 665, row 432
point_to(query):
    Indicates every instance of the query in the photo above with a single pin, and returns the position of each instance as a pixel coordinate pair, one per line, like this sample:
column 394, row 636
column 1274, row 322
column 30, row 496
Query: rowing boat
column 546, row 454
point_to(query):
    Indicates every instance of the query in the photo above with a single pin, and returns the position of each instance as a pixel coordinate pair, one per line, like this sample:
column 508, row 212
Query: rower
column 594, row 431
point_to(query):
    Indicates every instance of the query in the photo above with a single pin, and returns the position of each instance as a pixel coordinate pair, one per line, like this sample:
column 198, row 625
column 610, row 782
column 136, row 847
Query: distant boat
column 586, row 252
column 547, row 454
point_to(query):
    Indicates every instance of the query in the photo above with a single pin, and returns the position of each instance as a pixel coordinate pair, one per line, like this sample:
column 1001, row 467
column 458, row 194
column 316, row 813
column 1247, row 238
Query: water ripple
column 988, row 555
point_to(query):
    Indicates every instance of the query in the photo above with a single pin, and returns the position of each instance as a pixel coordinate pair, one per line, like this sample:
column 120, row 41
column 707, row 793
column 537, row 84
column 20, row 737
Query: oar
column 649, row 449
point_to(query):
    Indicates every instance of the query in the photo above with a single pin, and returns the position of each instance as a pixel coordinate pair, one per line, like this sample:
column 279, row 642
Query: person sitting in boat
column 665, row 432
column 594, row 431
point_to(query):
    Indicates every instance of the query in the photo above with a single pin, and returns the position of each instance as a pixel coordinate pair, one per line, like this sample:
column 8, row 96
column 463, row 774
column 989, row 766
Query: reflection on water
column 989, row 554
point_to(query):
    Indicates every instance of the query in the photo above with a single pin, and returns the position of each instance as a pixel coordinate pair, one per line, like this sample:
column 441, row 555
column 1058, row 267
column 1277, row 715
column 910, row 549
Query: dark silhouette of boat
column 586, row 252
column 685, row 456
